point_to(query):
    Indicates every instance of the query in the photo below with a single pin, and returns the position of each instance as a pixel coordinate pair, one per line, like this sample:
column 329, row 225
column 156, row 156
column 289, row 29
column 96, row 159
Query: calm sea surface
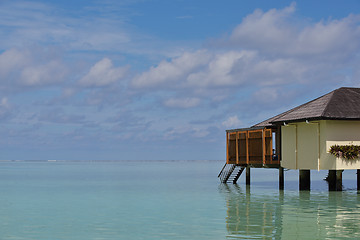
column 168, row 200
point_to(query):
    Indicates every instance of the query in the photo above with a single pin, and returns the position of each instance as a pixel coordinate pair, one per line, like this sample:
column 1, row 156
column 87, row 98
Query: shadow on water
column 254, row 213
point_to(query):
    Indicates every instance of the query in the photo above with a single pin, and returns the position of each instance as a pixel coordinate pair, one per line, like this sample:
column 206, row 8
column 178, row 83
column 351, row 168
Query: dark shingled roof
column 340, row 104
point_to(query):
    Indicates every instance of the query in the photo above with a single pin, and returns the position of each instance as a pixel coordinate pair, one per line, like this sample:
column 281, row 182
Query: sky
column 160, row 79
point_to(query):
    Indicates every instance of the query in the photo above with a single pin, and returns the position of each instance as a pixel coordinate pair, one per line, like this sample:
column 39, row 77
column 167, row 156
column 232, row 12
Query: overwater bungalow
column 311, row 136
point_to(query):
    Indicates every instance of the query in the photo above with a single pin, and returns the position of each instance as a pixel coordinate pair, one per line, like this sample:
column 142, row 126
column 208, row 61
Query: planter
column 348, row 152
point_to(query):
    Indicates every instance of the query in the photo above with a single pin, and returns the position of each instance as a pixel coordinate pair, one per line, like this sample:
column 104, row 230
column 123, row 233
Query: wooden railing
column 246, row 147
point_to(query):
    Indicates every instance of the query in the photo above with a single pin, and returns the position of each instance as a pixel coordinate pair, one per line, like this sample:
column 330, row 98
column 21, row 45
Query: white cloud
column 166, row 72
column 182, row 102
column 43, row 74
column 13, row 60
column 87, row 27
column 276, row 32
column 267, row 49
column 269, row 29
column 220, row 70
column 232, row 121
column 43, row 23
column 197, row 69
column 328, row 37
column 31, row 67
column 103, row 73
column 229, row 69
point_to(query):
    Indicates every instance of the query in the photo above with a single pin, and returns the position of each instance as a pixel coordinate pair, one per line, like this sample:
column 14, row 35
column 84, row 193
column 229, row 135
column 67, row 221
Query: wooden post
column 304, row 179
column 237, row 147
column 263, row 145
column 247, row 148
column 247, row 175
column 358, row 179
column 281, row 178
column 335, row 180
column 227, row 147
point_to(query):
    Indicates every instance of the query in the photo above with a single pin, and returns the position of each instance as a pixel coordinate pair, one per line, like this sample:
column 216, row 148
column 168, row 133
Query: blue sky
column 157, row 79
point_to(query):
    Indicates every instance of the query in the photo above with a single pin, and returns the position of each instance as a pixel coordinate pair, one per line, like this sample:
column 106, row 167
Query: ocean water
column 168, row 200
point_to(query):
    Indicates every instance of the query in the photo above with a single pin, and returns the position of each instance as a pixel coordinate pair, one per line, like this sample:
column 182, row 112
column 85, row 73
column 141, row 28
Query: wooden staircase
column 230, row 173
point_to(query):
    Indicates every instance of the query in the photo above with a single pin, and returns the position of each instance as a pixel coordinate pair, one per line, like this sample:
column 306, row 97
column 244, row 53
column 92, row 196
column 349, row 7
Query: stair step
column 230, row 173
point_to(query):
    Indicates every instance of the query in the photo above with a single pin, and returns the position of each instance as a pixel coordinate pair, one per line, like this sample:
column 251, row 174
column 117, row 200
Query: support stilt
column 248, row 175
column 248, row 193
column 304, row 179
column 281, row 178
column 335, row 180
column 358, row 179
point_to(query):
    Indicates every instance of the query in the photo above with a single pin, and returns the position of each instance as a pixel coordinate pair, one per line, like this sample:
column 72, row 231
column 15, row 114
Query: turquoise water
column 168, row 200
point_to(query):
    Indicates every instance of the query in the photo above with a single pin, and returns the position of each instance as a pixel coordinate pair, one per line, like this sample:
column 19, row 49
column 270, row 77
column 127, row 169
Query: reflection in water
column 256, row 214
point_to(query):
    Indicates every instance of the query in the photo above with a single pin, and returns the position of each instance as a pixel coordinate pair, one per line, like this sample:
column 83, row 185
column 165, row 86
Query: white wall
column 306, row 145
column 341, row 133
column 300, row 146
column 288, row 147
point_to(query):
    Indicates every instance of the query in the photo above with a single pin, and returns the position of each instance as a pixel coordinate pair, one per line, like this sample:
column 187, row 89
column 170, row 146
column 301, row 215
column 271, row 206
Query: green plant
column 349, row 152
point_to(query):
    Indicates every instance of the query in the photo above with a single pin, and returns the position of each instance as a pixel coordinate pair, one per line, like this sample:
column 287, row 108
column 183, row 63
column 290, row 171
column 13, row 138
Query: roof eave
column 244, row 129
column 313, row 119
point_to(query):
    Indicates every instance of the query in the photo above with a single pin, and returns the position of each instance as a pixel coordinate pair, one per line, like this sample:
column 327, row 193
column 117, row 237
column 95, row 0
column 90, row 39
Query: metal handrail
column 222, row 169
column 226, row 172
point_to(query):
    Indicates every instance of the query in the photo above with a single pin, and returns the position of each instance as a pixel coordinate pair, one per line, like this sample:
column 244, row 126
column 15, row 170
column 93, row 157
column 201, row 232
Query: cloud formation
column 232, row 122
column 28, row 68
column 103, row 73
column 168, row 72
column 267, row 49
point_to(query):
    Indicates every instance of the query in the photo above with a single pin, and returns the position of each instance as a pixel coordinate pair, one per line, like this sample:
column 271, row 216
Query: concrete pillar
column 247, row 175
column 281, row 178
column 248, row 192
column 304, row 179
column 358, row 179
column 335, row 180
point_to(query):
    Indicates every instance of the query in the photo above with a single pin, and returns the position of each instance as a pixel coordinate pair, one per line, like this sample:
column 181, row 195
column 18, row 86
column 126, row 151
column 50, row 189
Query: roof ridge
column 302, row 105
column 336, row 94
column 331, row 98
column 352, row 90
